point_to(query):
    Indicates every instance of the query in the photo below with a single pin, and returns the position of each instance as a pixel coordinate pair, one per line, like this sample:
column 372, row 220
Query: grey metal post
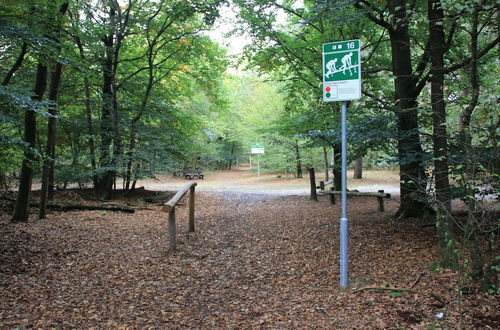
column 344, row 226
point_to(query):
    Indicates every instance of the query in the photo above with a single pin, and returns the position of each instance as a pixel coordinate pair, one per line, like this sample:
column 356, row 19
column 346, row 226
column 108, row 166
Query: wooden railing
column 169, row 207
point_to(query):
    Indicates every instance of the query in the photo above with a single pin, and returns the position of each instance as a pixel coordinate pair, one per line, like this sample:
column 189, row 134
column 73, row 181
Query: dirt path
column 246, row 181
column 253, row 262
column 262, row 256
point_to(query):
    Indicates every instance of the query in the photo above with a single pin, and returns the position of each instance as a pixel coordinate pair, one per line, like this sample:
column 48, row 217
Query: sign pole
column 342, row 82
column 258, row 165
column 344, row 225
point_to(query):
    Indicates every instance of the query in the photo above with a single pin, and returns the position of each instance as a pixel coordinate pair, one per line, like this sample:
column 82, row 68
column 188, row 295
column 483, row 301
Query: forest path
column 244, row 180
column 252, row 262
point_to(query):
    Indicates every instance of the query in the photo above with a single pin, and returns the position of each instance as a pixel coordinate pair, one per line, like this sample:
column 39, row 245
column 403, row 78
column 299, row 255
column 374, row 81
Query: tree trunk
column 138, row 116
column 5, row 82
column 358, row 168
column 312, row 181
column 337, row 167
column 298, row 160
column 231, row 158
column 47, row 190
column 412, row 171
column 137, row 169
column 325, row 159
column 104, row 186
column 447, row 256
column 473, row 243
column 117, row 138
column 88, row 113
column 130, row 154
column 21, row 208
column 439, row 136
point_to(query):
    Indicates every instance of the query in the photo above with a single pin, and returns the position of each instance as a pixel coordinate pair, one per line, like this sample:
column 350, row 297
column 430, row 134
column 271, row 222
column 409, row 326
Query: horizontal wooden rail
column 357, row 193
column 169, row 207
column 380, row 195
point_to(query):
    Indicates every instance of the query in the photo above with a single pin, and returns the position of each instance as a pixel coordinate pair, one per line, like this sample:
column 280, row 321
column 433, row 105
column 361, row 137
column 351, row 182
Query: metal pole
column 258, row 165
column 344, row 226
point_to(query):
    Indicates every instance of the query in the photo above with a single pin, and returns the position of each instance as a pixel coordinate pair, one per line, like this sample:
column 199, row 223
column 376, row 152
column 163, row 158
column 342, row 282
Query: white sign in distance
column 257, row 150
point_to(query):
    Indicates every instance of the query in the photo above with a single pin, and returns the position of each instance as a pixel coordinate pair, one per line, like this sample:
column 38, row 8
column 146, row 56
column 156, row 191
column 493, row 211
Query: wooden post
column 191, row 209
column 169, row 207
column 312, row 178
column 172, row 244
column 380, row 201
column 322, row 185
column 332, row 196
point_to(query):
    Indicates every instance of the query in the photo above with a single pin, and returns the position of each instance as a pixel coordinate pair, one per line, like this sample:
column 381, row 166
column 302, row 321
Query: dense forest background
column 107, row 92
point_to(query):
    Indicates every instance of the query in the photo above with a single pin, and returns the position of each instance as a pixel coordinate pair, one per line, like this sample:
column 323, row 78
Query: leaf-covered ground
column 255, row 261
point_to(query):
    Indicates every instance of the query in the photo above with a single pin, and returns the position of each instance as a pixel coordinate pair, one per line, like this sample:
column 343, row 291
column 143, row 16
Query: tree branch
column 467, row 61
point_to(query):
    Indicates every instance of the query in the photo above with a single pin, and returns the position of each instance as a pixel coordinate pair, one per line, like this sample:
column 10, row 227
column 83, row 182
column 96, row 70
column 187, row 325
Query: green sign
column 342, row 71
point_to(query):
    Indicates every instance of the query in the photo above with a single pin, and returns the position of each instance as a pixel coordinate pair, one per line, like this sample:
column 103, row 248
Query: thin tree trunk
column 337, row 169
column 88, row 113
column 325, row 159
column 447, row 256
column 231, row 158
column 474, row 245
column 312, row 180
column 16, row 66
column 130, row 153
column 137, row 117
column 298, row 160
column 47, row 190
column 137, row 169
column 358, row 168
column 117, row 138
column 6, row 81
column 21, row 208
column 440, row 139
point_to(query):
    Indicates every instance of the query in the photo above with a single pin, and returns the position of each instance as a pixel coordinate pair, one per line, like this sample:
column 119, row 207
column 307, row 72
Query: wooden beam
column 381, row 201
column 191, row 209
column 172, row 239
column 355, row 193
column 168, row 206
column 332, row 196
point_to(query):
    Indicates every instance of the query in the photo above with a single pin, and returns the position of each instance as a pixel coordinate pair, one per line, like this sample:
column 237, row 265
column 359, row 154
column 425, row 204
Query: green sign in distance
column 257, row 145
column 342, row 71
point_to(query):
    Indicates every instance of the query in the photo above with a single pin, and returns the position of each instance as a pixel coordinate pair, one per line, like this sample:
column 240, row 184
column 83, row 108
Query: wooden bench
column 192, row 174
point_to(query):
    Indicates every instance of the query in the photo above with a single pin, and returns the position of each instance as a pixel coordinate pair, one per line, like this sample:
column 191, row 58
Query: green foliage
column 396, row 294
